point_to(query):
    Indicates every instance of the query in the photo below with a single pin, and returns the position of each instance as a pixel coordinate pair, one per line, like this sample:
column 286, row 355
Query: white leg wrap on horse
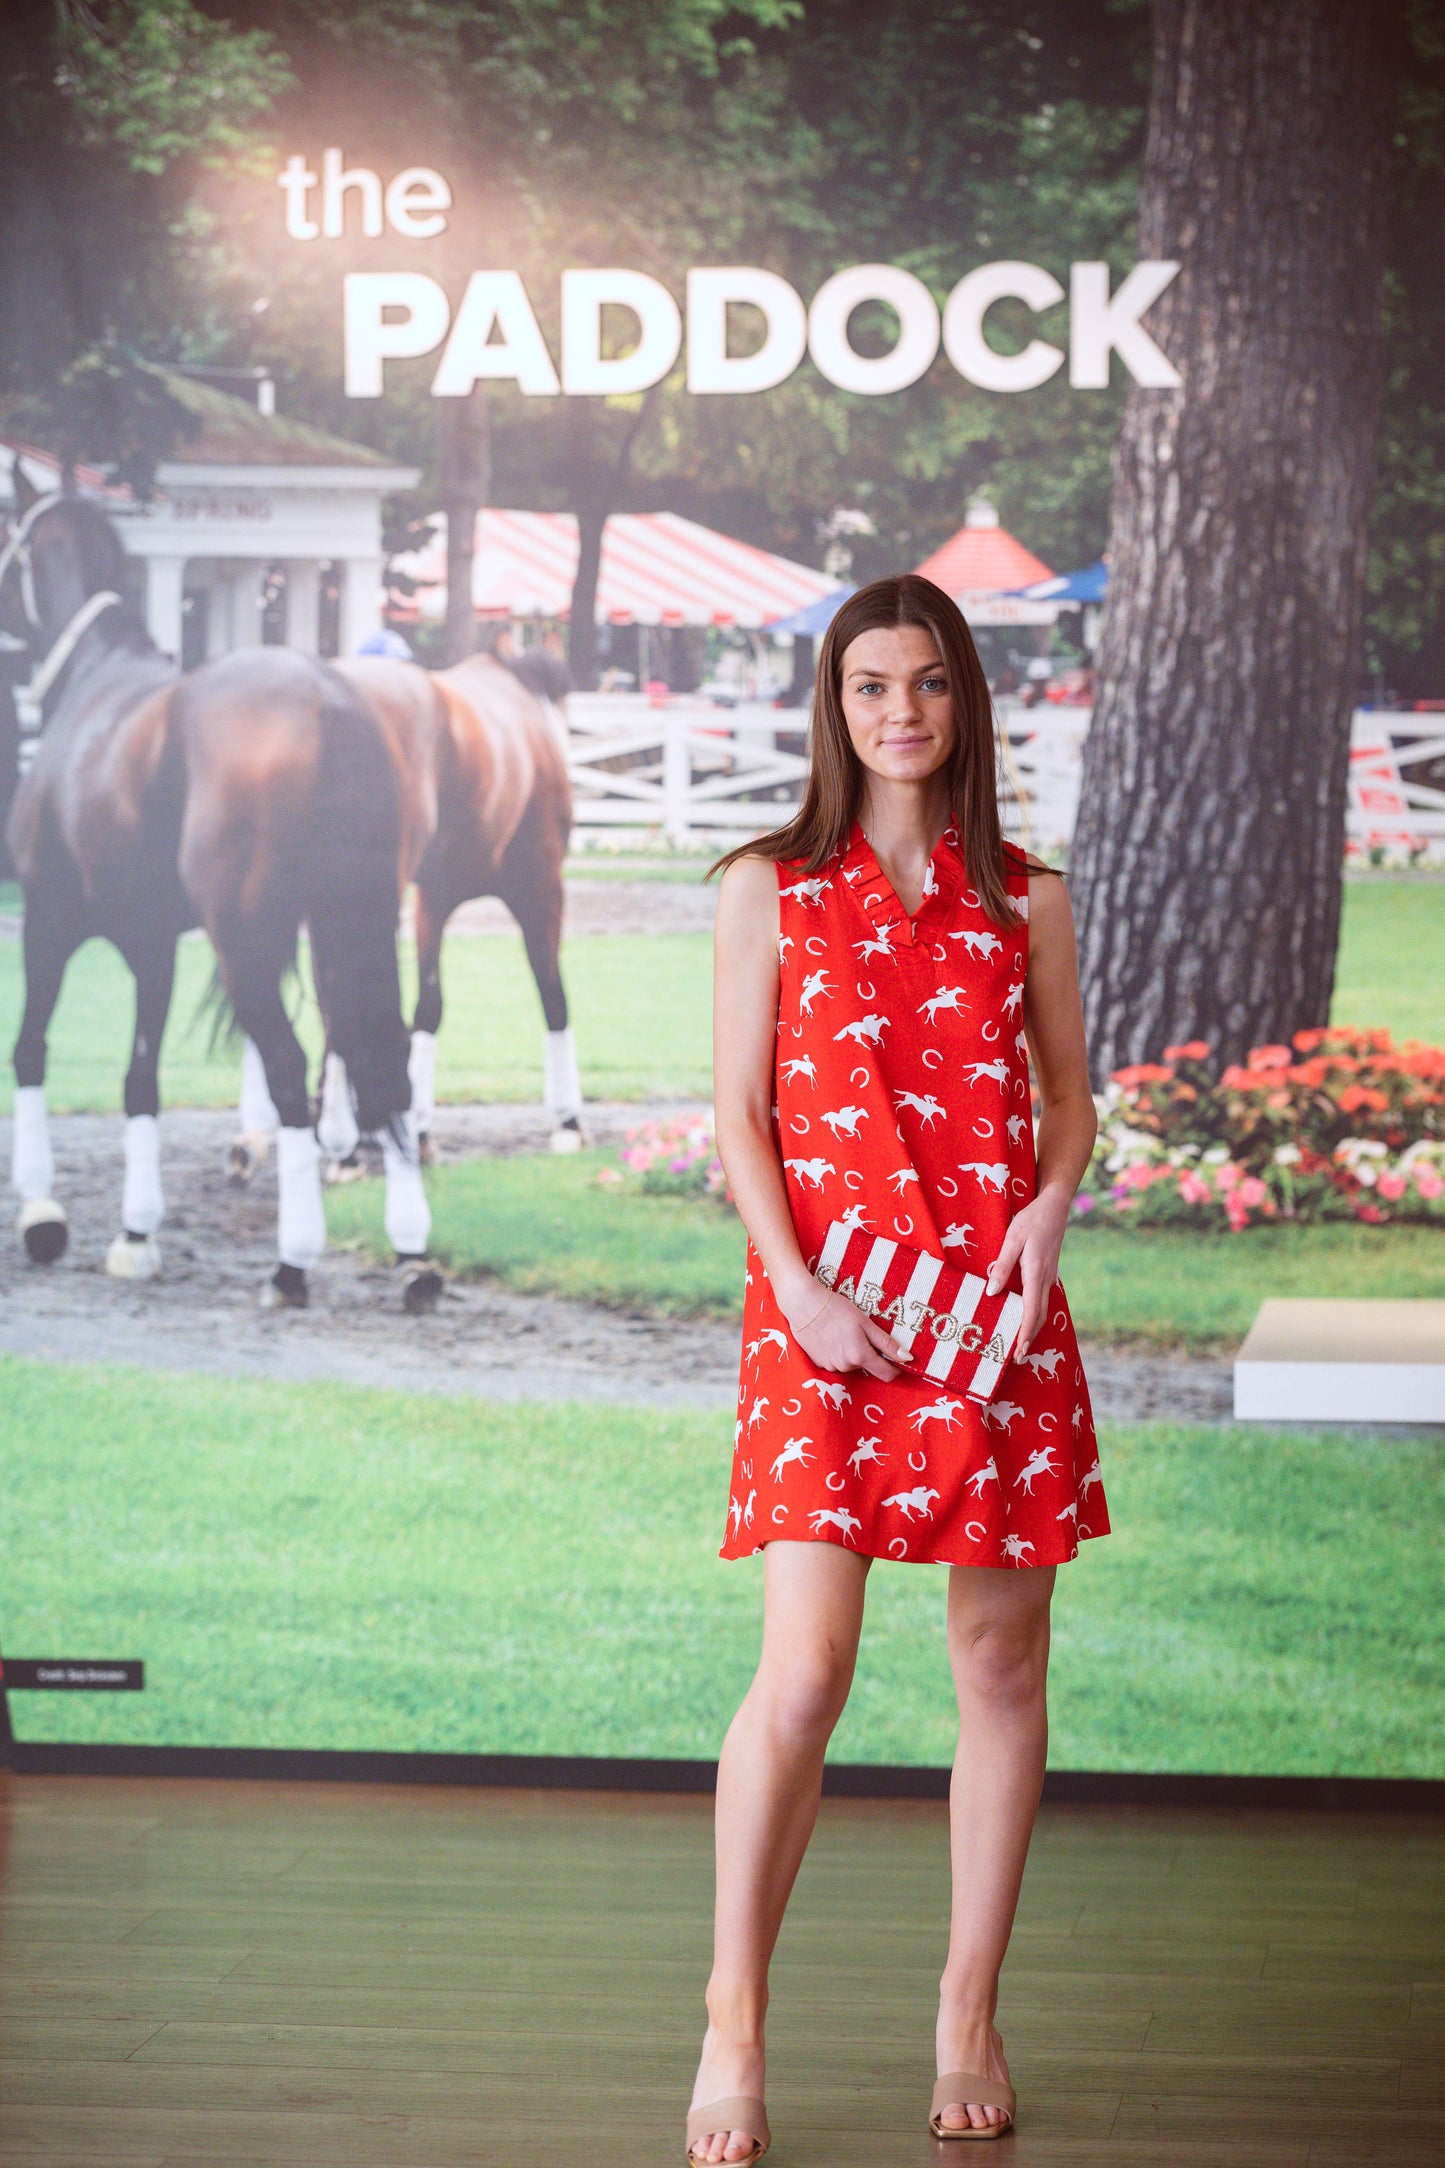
column 143, row 1203
column 336, row 1131
column 421, row 1067
column 32, row 1163
column 562, row 1086
column 408, row 1216
column 301, row 1229
column 258, row 1110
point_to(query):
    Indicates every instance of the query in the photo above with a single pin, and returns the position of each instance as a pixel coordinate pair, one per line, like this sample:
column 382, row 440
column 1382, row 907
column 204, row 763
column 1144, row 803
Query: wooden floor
column 245, row 1973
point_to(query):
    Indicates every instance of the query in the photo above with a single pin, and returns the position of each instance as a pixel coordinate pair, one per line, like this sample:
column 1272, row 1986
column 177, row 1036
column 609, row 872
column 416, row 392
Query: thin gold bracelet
column 817, row 1313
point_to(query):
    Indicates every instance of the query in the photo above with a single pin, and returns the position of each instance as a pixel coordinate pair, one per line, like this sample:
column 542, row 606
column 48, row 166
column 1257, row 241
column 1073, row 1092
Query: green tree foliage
column 106, row 115
column 141, row 139
column 1406, row 577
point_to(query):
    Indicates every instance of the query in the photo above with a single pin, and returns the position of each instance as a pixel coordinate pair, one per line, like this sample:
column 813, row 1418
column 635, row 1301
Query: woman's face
column 897, row 703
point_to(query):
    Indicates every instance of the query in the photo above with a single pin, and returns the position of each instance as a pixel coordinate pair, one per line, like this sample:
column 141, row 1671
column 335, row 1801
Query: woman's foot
column 731, row 2064
column 970, row 2043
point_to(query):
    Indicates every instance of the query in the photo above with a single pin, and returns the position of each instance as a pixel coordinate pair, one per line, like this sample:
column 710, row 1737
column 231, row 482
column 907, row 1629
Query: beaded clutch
column 949, row 1328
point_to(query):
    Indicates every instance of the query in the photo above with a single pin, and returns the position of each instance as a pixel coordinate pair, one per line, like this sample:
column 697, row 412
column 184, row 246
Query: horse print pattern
column 902, row 1091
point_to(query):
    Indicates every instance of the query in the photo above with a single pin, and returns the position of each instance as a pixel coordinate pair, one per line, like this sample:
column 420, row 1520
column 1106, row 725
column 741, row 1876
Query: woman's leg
column 998, row 1645
column 770, row 1777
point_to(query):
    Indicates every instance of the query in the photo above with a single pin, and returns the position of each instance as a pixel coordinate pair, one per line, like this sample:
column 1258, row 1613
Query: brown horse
column 481, row 761
column 479, row 754
column 256, row 795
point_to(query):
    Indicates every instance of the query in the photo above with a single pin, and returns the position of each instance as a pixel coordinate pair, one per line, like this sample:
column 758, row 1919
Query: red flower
column 1359, row 1096
column 1270, row 1057
column 1191, row 1050
column 1142, row 1072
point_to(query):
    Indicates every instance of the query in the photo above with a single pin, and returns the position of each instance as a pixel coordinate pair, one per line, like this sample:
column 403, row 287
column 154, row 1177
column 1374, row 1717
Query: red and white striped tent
column 657, row 569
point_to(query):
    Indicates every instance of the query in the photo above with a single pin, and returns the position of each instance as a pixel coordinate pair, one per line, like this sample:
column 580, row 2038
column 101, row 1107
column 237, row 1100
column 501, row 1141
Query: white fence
column 690, row 770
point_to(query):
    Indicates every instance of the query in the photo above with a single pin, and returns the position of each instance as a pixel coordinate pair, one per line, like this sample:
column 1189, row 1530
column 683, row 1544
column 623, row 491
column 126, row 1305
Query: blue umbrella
column 1090, row 585
column 815, row 619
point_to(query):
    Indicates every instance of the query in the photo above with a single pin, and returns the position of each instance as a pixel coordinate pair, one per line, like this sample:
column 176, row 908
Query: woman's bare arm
column 832, row 1332
column 1054, row 1022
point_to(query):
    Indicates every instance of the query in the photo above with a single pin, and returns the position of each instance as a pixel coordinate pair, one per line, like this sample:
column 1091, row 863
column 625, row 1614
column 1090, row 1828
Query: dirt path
column 203, row 1313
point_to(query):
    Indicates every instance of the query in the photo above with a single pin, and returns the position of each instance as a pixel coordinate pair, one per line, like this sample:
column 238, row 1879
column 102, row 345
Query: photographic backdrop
column 433, row 440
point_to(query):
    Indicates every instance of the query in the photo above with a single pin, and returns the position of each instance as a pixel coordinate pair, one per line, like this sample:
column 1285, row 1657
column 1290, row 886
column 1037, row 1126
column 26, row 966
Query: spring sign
column 494, row 332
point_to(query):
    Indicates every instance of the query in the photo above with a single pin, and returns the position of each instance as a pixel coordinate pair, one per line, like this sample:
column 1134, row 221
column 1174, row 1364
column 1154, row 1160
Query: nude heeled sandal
column 959, row 2088
column 735, row 2113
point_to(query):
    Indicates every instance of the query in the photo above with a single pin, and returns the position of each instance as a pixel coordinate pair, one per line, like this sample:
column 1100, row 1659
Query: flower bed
column 675, row 1158
column 1338, row 1125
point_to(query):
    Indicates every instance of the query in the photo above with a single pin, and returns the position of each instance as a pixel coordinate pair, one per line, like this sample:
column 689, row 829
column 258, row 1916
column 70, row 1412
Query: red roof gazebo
column 983, row 566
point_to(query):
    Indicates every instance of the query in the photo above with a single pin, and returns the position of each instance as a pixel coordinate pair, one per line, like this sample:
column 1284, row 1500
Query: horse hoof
column 41, row 1225
column 426, row 1151
column 569, row 1136
column 133, row 1257
column 286, row 1289
column 421, row 1286
column 247, row 1154
column 349, row 1169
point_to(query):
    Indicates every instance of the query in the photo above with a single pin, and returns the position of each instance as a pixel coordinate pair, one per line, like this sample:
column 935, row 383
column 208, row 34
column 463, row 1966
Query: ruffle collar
column 860, row 870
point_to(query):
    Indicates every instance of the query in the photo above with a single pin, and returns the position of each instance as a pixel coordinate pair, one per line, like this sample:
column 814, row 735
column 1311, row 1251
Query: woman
column 886, row 966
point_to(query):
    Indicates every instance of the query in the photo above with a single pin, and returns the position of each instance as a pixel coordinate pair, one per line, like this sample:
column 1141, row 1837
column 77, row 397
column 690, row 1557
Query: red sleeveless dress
column 902, row 1091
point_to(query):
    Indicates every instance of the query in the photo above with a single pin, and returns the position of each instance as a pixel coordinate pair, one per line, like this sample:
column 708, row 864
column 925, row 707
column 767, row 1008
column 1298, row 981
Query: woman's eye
column 870, row 686
column 934, row 684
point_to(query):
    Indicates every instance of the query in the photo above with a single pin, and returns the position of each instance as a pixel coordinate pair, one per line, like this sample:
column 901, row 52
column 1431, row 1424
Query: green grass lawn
column 540, row 1222
column 333, row 1566
column 640, row 1004
column 1391, row 966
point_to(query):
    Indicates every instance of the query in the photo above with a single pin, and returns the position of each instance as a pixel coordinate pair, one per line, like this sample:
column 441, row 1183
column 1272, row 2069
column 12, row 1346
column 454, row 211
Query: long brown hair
column 833, row 791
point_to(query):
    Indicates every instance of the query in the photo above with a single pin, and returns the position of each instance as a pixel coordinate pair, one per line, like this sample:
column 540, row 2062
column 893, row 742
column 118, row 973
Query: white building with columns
column 254, row 506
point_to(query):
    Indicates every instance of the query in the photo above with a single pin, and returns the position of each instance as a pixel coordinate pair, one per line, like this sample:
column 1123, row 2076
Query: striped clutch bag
column 949, row 1328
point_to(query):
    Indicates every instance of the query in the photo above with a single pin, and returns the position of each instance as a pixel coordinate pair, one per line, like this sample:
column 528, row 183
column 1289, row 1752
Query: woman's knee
column 805, row 1690
column 1003, row 1662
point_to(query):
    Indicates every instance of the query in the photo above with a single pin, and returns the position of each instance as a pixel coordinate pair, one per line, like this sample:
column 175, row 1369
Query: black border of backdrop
column 575, row 1772
column 581, row 1772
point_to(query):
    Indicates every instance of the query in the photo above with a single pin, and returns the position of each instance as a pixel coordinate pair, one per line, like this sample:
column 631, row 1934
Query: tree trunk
column 588, row 490
column 1207, row 858
column 582, row 624
column 465, row 464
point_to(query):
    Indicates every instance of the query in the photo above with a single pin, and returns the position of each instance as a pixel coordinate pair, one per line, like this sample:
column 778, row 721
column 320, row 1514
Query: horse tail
column 213, row 1007
column 352, row 905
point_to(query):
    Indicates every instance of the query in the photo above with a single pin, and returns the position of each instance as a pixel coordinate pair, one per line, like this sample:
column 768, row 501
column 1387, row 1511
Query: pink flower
column 1251, row 1190
column 1428, row 1183
column 1194, row 1189
column 1227, row 1178
column 1391, row 1186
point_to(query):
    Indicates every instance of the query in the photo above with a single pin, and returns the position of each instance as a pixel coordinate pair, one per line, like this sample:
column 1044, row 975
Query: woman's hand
column 835, row 1334
column 1033, row 1242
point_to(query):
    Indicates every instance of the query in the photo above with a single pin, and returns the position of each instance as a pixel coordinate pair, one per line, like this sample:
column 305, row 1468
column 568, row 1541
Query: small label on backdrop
column 72, row 1674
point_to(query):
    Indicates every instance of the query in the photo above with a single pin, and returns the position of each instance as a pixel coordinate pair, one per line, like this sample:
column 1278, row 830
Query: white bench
column 1343, row 1362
